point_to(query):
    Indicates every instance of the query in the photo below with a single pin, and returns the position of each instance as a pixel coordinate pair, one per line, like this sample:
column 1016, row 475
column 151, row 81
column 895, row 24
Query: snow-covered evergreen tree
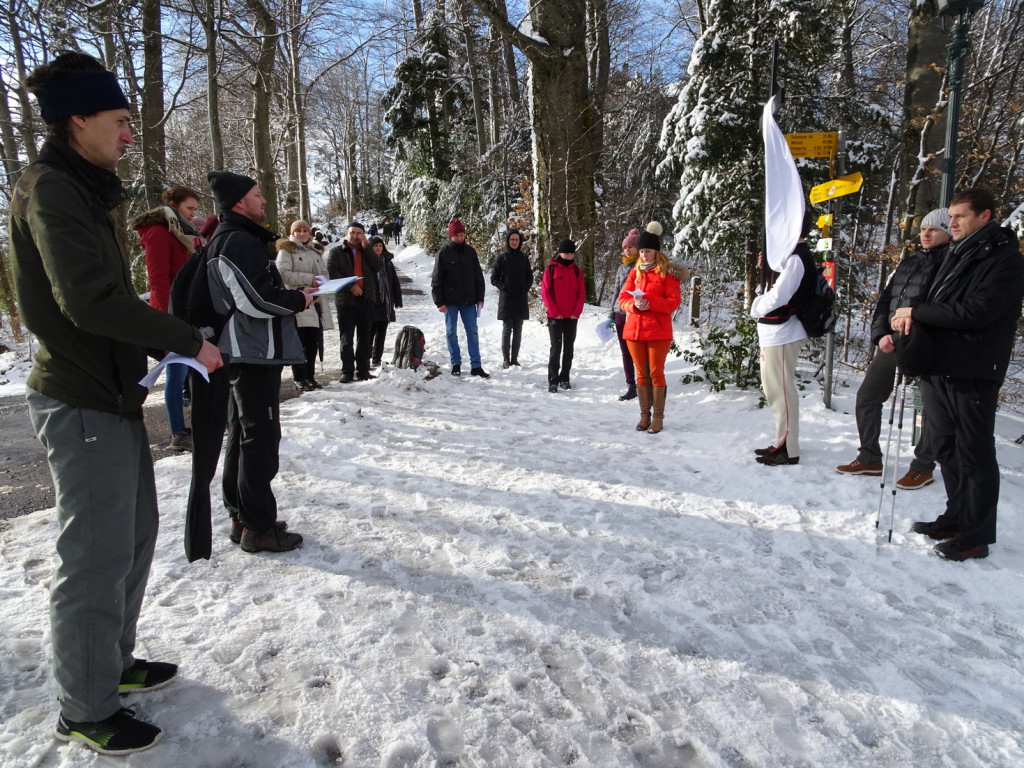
column 711, row 138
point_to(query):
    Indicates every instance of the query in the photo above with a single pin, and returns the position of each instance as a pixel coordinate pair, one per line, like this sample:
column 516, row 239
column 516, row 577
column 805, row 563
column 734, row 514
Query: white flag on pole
column 783, row 193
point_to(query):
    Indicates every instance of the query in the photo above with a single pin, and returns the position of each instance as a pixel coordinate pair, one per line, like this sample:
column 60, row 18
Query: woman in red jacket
column 563, row 291
column 168, row 237
column 649, row 298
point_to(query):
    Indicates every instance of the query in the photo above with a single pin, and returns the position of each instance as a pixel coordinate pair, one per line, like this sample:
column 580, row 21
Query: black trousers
column 878, row 383
column 380, row 334
column 563, row 339
column 962, row 415
column 254, row 437
column 511, row 338
column 209, row 415
column 310, row 338
column 355, row 326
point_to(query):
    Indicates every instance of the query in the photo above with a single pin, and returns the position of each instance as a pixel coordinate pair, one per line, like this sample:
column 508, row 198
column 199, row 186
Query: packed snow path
column 495, row 576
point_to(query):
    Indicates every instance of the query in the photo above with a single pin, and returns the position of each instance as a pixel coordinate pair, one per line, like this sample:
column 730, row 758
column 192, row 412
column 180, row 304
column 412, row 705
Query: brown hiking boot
column 858, row 467
column 645, row 396
column 271, row 539
column 914, row 480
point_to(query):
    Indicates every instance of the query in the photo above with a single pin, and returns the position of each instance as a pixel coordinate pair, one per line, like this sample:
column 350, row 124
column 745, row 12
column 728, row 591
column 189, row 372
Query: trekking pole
column 896, row 464
column 888, row 440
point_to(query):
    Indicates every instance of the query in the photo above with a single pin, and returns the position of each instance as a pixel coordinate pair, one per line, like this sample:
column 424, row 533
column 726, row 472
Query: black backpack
column 409, row 348
column 190, row 292
column 818, row 314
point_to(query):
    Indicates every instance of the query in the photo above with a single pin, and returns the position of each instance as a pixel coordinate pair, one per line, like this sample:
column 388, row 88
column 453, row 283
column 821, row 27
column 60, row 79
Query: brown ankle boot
column 643, row 394
column 659, row 410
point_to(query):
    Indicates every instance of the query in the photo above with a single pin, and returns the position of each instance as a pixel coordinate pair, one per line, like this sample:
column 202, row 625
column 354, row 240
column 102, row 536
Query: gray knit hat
column 939, row 218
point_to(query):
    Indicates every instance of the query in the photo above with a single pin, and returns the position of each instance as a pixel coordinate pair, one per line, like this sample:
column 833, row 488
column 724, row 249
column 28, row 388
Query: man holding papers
column 74, row 289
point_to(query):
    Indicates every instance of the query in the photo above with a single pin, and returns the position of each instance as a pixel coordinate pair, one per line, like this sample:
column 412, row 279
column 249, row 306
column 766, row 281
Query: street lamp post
column 956, row 52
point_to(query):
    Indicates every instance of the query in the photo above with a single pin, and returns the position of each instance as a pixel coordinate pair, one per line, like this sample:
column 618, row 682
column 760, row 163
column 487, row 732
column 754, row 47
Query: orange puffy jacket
column 664, row 295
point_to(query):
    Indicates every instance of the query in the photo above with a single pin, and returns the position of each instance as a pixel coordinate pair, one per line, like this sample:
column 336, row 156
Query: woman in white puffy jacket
column 299, row 264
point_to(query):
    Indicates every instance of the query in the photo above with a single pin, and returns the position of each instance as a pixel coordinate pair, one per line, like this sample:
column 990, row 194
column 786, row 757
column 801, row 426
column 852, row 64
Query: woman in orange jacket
column 649, row 298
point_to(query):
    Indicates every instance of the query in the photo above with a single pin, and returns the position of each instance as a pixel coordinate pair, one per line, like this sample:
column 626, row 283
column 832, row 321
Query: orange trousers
column 649, row 360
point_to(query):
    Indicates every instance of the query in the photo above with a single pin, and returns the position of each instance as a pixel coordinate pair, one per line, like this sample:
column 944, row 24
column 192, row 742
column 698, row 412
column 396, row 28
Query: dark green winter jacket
column 74, row 288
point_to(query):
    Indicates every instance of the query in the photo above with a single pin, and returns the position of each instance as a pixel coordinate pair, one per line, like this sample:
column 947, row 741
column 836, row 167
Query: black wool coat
column 513, row 277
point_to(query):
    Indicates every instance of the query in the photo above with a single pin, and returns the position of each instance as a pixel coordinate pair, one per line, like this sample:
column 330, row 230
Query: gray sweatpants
column 107, row 517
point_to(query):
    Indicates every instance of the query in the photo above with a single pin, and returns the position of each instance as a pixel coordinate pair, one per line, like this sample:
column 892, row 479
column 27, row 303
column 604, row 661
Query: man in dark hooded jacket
column 971, row 315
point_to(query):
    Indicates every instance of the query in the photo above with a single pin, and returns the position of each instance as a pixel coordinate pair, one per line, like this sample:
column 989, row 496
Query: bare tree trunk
column 208, row 17
column 474, row 80
column 154, row 148
column 12, row 165
column 263, row 88
column 564, row 121
column 28, row 140
column 923, row 112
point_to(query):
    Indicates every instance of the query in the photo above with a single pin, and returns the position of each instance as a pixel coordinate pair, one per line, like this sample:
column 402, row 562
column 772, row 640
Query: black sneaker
column 480, row 372
column 935, row 530
column 957, row 552
column 552, row 387
column 365, row 376
column 629, row 394
column 119, row 734
column 456, row 370
column 237, row 529
column 271, row 539
column 564, row 385
column 146, row 676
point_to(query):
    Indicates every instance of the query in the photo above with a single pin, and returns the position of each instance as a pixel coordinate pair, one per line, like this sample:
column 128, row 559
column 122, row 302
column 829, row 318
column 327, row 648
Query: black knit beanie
column 566, row 246
column 228, row 188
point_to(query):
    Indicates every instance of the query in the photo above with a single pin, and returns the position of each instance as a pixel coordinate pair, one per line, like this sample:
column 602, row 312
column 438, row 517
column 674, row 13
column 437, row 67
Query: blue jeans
column 174, row 399
column 451, row 326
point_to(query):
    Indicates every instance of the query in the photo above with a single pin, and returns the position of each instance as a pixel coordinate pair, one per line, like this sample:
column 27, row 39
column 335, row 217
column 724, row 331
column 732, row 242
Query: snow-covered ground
column 498, row 576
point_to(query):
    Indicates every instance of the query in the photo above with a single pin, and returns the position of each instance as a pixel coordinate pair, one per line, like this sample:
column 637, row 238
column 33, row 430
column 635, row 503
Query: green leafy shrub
column 727, row 355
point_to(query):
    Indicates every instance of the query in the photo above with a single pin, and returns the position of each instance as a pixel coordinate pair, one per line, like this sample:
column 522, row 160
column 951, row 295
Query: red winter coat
column 165, row 256
column 563, row 290
column 664, row 296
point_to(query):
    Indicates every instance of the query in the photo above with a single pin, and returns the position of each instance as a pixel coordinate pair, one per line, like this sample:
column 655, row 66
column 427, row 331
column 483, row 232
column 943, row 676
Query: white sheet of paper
column 171, row 357
column 636, row 294
column 328, row 287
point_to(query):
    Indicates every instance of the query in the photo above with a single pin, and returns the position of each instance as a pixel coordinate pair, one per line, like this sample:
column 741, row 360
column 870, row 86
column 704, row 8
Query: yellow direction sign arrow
column 844, row 185
column 812, row 144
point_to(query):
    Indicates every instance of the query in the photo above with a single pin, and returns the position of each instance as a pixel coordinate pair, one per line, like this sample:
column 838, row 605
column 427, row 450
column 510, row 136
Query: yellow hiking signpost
column 812, row 144
column 844, row 185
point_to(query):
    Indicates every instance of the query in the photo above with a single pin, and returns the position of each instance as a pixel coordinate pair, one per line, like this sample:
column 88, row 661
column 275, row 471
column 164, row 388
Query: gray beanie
column 939, row 218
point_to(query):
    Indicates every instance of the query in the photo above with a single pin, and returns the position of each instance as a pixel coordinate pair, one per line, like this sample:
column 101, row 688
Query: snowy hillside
column 494, row 576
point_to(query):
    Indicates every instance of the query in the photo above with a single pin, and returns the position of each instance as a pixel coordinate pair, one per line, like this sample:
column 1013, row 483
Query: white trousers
column 778, row 380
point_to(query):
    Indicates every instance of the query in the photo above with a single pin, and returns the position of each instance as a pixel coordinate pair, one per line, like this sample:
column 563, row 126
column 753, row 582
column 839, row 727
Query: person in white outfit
column 781, row 336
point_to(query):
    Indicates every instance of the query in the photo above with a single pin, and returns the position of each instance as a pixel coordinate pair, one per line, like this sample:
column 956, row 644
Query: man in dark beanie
column 457, row 287
column 355, row 303
column 75, row 293
column 258, row 338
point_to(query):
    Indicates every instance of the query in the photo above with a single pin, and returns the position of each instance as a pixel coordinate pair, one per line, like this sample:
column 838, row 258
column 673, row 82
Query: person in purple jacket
column 563, row 292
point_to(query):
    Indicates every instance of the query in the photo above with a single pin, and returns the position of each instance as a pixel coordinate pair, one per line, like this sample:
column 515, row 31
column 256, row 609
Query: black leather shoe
column 957, row 552
column 777, row 458
column 552, row 387
column 346, row 378
column 480, row 372
column 935, row 530
column 456, row 370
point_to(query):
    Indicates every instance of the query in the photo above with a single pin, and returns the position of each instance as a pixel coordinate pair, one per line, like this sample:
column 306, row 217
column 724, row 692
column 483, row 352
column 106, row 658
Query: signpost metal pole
column 830, row 338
